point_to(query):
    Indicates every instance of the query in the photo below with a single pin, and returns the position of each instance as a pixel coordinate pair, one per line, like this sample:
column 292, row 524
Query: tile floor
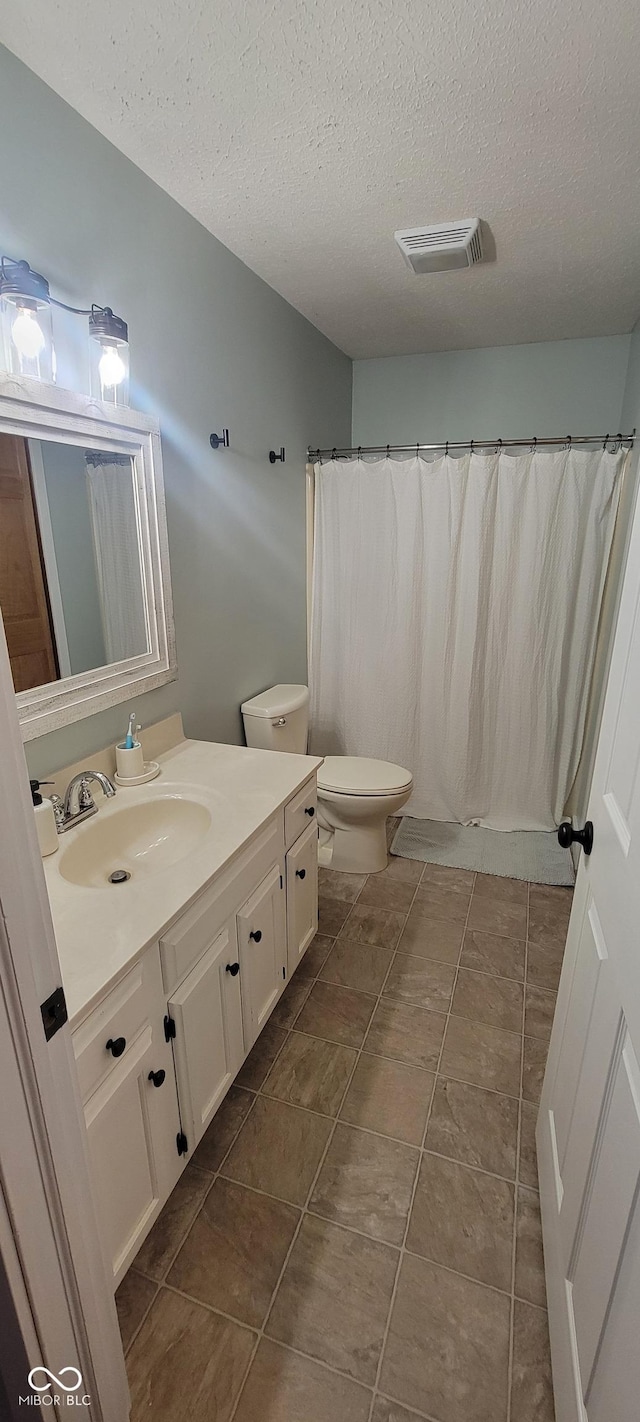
column 357, row 1238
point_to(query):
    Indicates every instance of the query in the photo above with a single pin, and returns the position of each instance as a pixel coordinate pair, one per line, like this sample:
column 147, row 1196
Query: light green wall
column 65, row 474
column 550, row 388
column 211, row 345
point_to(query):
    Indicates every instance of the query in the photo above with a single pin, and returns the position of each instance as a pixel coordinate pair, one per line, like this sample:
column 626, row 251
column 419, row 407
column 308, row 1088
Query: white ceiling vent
column 441, row 248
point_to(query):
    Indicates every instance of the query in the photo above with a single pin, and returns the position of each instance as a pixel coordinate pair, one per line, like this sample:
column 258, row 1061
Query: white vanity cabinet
column 205, row 1014
column 302, row 894
column 128, row 1087
column 262, row 941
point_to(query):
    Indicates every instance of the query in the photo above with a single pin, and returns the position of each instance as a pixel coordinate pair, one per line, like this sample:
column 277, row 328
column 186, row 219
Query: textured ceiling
column 304, row 132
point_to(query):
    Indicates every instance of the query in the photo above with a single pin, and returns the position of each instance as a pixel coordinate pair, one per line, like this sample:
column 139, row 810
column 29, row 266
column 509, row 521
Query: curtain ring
column 471, row 447
column 359, row 451
column 446, row 449
column 417, row 449
column 605, row 443
column 387, row 451
column 334, row 452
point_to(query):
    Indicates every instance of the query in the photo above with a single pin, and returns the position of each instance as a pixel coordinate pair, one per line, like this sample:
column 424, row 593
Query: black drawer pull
column 310, row 811
column 257, row 936
column 233, row 968
column 116, row 1046
column 157, row 1077
column 301, row 873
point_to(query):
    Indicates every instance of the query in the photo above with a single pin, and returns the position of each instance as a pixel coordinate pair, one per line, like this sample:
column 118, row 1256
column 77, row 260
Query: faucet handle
column 85, row 798
column 58, row 810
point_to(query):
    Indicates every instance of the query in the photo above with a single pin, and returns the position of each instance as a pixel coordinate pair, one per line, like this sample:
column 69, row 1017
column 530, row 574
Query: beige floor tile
column 483, row 1056
column 463, row 1219
column 529, row 1283
column 534, row 1063
column 528, row 1154
column 544, row 964
column 334, row 885
column 455, row 881
column 487, row 953
column 447, row 1353
column 507, row 891
column 186, row 1362
column 400, row 868
column 497, row 1002
column 377, row 926
column 334, row 1298
column 332, row 914
column 311, row 1073
column 283, row 1387
column 278, row 1150
column 223, row 1129
column 384, row 1410
column 409, row 1034
column 366, row 1183
column 316, row 954
column 262, row 1056
column 132, row 1301
column 336, row 1013
column 173, row 1223
column 295, row 994
column 474, row 1126
column 441, row 901
column 540, row 1006
column 549, row 910
column 421, row 982
column 429, row 937
column 493, row 912
column 234, row 1253
column 356, row 965
column 531, row 1385
column 390, row 1098
column 380, row 892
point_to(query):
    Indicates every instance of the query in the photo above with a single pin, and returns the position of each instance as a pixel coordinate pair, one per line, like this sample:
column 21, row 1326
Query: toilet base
column 354, row 850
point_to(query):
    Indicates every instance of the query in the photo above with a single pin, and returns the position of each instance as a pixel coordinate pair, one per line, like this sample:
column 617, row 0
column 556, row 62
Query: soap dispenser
column 45, row 819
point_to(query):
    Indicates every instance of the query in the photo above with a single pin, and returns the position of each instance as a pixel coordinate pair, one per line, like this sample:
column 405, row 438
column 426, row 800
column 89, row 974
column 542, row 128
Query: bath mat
column 515, row 854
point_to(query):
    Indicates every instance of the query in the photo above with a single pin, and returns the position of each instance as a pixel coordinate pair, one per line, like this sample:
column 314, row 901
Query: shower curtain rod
column 567, row 440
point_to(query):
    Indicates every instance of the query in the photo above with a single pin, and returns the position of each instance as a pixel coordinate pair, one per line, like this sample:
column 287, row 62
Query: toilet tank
column 278, row 719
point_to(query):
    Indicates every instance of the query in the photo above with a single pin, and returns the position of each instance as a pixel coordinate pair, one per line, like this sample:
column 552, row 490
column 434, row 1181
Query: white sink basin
column 141, row 839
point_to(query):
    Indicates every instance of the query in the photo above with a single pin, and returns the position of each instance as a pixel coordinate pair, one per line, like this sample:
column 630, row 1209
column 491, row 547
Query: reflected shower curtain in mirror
column 454, row 623
column 116, row 545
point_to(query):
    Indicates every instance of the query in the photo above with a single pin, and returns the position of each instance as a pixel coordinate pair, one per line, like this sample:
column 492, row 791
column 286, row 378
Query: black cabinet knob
column 256, row 936
column 233, row 968
column 310, row 811
column 301, row 873
column 157, row 1077
column 568, row 836
column 116, row 1046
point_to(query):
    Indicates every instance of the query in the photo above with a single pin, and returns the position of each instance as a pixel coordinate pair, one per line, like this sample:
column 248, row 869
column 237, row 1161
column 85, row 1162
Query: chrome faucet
column 78, row 791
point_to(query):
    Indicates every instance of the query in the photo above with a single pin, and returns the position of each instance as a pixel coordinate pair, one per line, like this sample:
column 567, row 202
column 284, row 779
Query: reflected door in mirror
column 23, row 595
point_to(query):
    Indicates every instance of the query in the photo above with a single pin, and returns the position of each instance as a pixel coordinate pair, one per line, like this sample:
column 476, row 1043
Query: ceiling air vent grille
column 441, row 248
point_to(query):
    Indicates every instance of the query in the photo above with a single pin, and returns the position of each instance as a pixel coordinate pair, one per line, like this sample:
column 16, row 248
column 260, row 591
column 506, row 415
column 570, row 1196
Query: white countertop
column 101, row 931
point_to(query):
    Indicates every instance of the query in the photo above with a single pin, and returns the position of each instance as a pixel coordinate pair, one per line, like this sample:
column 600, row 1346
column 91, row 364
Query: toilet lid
column 356, row 775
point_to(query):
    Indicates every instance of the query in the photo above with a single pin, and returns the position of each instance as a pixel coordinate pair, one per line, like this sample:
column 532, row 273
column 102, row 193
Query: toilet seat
column 358, row 775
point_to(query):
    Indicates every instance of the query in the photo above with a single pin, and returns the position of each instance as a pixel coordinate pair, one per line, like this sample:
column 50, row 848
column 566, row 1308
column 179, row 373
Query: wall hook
column 218, row 441
column 273, row 457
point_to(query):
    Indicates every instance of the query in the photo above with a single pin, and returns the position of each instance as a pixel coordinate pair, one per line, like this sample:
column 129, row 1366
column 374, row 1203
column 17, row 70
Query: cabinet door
column 208, row 1044
column 262, row 939
column 132, row 1127
column 302, row 895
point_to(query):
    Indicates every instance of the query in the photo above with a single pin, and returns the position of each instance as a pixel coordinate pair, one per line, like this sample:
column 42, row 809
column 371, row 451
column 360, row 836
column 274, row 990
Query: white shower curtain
column 116, row 547
column 454, row 622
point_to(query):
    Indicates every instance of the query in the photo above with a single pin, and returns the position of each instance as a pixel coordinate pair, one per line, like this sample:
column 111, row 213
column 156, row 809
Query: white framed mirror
column 85, row 586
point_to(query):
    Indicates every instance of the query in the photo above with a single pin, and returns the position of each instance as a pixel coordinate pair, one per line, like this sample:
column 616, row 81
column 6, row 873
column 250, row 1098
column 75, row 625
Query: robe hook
column 273, row 457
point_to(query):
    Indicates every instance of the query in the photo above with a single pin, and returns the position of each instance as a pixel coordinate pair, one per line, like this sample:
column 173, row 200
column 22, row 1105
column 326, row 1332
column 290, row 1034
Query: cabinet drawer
column 184, row 944
column 120, row 1018
column 300, row 811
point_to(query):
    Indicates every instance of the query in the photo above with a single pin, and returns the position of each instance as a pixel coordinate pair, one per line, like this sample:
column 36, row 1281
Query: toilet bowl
column 356, row 795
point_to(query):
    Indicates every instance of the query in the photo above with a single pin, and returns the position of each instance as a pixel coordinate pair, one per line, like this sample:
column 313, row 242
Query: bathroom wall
column 552, row 388
column 65, row 474
column 211, row 345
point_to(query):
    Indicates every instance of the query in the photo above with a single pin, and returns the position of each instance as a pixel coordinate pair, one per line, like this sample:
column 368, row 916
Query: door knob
column 567, row 836
column 256, row 936
column 116, row 1046
column 301, row 873
column 233, row 968
column 157, row 1077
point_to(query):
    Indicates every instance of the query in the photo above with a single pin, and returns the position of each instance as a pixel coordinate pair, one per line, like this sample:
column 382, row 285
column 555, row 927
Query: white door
column 262, row 940
column 208, row 1044
column 589, row 1124
column 302, row 895
column 132, row 1128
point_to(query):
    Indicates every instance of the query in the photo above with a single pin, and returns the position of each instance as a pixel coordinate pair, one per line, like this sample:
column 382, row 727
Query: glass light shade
column 25, row 318
column 109, row 357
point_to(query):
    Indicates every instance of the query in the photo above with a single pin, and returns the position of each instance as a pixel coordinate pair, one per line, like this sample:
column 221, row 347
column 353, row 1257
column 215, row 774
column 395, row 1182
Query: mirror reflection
column 71, row 589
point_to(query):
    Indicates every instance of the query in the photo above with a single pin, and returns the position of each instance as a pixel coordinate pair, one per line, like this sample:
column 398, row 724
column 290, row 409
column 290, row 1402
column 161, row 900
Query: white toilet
column 355, row 795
